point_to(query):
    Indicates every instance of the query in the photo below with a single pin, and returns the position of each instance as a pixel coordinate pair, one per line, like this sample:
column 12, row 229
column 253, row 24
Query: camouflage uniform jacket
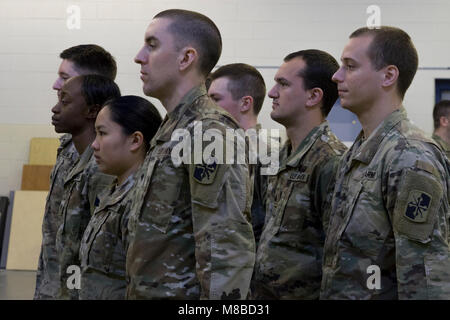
column 190, row 230
column 387, row 237
column 47, row 280
column 289, row 255
column 81, row 187
column 444, row 145
column 260, row 181
column 103, row 246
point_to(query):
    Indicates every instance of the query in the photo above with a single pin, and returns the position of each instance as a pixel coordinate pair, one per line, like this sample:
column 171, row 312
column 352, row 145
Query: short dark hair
column 319, row 69
column 193, row 28
column 441, row 109
column 133, row 113
column 392, row 46
column 245, row 80
column 97, row 89
column 91, row 59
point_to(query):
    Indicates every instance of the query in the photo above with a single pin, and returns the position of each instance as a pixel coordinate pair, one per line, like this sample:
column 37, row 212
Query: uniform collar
column 294, row 159
column 83, row 161
column 117, row 193
column 441, row 142
column 369, row 147
column 172, row 118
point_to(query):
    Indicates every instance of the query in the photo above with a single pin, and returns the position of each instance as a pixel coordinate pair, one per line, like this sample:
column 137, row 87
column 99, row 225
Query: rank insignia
column 418, row 205
column 205, row 173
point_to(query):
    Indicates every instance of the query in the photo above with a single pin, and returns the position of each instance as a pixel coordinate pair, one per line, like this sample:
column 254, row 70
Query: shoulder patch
column 417, row 205
column 205, row 173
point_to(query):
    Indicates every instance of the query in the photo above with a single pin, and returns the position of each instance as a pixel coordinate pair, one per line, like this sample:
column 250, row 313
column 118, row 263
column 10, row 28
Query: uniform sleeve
column 417, row 203
column 224, row 242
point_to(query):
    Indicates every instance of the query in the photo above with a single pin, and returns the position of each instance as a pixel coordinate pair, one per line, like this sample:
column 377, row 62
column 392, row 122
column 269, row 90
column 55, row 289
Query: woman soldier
column 124, row 127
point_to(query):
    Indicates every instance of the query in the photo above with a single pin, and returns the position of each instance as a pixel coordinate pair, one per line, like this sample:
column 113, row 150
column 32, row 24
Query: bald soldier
column 289, row 255
column 387, row 237
column 190, row 231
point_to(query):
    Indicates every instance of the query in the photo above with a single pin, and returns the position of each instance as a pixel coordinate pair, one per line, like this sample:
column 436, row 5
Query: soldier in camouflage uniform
column 388, row 232
column 75, row 62
column 124, row 127
column 81, row 99
column 289, row 255
column 190, row 231
column 441, row 117
column 240, row 89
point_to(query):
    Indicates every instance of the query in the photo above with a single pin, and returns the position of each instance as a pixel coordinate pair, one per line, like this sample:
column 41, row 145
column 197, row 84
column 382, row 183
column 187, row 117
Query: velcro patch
column 205, row 173
column 417, row 205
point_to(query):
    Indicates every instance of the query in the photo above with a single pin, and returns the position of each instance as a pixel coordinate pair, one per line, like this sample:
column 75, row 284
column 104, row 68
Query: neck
column 298, row 132
column 83, row 139
column 442, row 133
column 248, row 122
column 371, row 117
column 174, row 97
column 130, row 170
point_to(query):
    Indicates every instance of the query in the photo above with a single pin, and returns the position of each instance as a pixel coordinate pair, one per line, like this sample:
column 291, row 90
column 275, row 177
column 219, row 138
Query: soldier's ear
column 92, row 111
column 246, row 104
column 315, row 96
column 390, row 76
column 188, row 57
column 136, row 141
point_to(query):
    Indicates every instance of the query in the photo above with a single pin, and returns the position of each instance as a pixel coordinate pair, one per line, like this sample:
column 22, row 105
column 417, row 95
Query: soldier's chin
column 58, row 129
column 276, row 117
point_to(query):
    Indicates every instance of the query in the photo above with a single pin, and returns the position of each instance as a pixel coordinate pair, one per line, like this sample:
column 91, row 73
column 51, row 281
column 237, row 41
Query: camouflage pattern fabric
column 104, row 244
column 389, row 211
column 259, row 185
column 47, row 280
column 444, row 145
column 289, row 255
column 190, row 230
column 82, row 187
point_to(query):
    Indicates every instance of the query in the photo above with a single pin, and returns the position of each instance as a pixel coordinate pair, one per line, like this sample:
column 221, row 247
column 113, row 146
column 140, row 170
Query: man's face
column 219, row 93
column 69, row 114
column 158, row 59
column 65, row 72
column 288, row 94
column 111, row 146
column 359, row 84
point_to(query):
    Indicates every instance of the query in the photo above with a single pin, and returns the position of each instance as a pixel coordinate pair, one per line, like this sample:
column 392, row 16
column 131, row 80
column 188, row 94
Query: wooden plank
column 26, row 230
column 43, row 151
column 36, row 177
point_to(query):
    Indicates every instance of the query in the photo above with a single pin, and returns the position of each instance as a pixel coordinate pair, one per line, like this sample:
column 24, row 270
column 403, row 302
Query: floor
column 17, row 285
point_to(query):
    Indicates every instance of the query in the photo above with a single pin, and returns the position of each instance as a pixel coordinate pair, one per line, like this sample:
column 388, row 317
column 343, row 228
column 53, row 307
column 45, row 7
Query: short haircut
column 392, row 46
column 91, row 59
column 97, row 89
column 197, row 30
column 244, row 80
column 441, row 109
column 319, row 69
column 133, row 113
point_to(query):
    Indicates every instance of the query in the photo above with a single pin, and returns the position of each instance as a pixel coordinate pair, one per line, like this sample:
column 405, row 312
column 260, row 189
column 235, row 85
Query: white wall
column 257, row 32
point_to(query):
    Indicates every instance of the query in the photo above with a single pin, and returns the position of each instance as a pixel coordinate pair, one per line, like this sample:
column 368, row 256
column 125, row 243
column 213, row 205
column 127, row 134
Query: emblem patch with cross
column 205, row 173
column 418, row 205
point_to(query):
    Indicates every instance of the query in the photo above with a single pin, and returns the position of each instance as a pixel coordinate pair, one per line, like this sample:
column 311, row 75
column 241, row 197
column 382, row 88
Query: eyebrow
column 150, row 38
column 281, row 79
column 344, row 60
column 99, row 127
